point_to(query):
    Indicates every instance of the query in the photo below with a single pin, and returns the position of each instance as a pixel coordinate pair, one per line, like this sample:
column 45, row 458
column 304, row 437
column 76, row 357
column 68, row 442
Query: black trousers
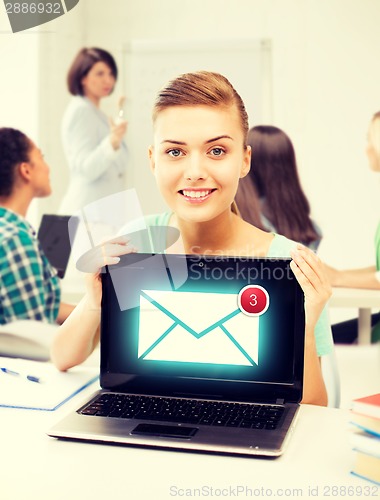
column 346, row 332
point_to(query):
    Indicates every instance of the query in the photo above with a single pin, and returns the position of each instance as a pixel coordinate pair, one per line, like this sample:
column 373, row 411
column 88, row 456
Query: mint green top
column 377, row 247
column 279, row 247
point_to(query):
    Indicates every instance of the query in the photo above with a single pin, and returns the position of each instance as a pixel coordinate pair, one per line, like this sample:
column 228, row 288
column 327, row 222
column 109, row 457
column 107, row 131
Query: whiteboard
column 150, row 64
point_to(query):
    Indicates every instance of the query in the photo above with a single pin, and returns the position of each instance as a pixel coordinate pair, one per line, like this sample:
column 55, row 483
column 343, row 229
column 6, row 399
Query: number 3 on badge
column 253, row 300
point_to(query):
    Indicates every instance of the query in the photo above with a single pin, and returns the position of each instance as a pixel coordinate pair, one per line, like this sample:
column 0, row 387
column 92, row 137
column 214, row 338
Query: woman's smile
column 196, row 196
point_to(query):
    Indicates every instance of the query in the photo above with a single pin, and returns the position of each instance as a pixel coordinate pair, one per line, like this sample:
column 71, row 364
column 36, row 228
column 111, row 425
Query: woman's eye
column 174, row 152
column 217, row 151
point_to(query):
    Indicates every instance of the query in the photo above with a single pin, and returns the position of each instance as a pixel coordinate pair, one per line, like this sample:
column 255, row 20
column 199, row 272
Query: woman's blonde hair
column 202, row 88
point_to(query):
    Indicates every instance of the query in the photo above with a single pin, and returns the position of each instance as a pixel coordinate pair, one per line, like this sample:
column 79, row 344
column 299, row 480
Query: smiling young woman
column 198, row 156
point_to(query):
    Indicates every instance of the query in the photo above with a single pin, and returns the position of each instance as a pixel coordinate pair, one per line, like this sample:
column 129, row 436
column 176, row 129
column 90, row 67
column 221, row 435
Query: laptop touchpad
column 165, row 431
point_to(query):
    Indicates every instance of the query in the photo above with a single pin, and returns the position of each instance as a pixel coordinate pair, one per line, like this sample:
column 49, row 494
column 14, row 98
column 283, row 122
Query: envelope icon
column 196, row 327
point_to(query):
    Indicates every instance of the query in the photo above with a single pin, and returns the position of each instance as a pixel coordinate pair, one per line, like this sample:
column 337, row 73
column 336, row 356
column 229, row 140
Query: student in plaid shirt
column 29, row 285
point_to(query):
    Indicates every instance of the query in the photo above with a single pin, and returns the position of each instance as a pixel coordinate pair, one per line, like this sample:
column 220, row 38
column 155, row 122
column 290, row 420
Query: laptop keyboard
column 187, row 411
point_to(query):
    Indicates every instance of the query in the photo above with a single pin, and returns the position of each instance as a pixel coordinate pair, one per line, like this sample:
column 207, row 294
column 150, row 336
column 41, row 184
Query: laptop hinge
column 280, row 401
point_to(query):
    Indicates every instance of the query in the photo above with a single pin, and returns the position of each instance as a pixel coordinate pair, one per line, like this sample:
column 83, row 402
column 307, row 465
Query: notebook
column 201, row 353
column 36, row 385
column 54, row 237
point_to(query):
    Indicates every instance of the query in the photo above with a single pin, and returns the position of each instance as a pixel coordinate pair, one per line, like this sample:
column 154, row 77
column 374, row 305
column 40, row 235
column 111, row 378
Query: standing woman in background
column 94, row 147
column 270, row 196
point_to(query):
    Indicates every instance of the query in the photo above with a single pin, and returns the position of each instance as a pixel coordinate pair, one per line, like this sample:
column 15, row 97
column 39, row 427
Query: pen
column 120, row 116
column 31, row 378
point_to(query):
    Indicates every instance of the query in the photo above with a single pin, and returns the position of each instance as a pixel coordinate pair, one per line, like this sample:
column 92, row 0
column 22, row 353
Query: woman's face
column 99, row 82
column 39, row 173
column 372, row 154
column 198, row 158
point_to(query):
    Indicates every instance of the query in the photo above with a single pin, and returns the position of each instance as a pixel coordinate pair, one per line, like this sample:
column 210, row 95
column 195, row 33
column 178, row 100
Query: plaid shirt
column 29, row 285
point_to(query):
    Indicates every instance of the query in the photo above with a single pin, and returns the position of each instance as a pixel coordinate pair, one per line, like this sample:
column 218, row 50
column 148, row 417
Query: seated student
column 369, row 277
column 271, row 196
column 198, row 156
column 29, row 285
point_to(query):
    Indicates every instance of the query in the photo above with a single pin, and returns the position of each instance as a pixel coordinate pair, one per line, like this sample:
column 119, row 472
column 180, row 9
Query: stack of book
column 365, row 439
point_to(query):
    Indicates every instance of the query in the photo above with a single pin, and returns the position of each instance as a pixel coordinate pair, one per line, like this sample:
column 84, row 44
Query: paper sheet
column 53, row 390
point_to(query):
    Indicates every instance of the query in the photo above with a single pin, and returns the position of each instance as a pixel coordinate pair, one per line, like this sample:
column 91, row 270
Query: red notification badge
column 253, row 300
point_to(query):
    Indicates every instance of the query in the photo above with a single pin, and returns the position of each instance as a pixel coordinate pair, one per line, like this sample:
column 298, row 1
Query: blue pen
column 31, row 378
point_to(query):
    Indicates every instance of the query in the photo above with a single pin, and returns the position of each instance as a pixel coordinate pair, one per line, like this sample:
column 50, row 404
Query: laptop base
column 171, row 435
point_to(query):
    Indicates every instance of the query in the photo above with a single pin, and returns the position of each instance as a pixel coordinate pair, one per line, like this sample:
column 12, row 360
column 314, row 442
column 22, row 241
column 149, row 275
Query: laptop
column 54, row 237
column 201, row 353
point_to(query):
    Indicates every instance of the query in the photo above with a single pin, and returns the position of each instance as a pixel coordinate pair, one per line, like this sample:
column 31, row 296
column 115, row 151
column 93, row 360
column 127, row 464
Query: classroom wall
column 19, row 83
column 33, row 92
column 325, row 88
column 57, row 48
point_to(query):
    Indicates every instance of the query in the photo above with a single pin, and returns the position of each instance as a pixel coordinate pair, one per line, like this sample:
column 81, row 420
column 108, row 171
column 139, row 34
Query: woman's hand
column 106, row 254
column 309, row 271
column 311, row 276
column 118, row 131
column 79, row 334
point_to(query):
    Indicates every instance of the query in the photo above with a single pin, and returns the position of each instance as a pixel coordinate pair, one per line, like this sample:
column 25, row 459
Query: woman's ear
column 246, row 166
column 151, row 159
column 24, row 171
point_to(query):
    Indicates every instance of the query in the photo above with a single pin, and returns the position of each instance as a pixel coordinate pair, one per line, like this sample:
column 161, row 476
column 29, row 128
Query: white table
column 364, row 300
column 34, row 466
column 318, row 457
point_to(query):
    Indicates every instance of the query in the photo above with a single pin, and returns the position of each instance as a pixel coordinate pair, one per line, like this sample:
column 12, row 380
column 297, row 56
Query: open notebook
column 19, row 387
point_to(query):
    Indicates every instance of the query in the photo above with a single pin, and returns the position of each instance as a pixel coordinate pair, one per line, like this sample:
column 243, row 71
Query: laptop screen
column 178, row 323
